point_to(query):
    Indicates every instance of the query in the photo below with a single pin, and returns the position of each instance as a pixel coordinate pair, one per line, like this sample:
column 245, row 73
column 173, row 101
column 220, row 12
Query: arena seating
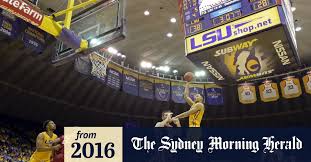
column 16, row 143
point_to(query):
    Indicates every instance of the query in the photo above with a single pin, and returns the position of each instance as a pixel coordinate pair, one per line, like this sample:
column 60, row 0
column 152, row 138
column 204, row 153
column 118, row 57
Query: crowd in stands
column 16, row 144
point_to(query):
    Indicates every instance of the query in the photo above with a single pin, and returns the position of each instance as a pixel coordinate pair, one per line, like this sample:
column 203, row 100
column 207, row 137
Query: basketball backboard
column 101, row 25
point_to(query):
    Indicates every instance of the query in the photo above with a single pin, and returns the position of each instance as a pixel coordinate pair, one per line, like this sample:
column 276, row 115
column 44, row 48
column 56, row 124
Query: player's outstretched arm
column 41, row 147
column 193, row 110
column 187, row 94
column 163, row 123
column 176, row 122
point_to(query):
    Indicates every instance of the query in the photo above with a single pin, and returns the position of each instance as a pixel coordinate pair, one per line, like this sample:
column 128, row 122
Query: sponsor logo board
column 234, row 30
column 256, row 56
column 23, row 10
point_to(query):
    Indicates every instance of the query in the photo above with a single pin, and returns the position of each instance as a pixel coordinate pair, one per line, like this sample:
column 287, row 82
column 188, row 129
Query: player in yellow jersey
column 45, row 143
column 196, row 111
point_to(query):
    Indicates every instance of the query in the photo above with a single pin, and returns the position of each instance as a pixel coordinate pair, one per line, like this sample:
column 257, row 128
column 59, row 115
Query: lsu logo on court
column 237, row 29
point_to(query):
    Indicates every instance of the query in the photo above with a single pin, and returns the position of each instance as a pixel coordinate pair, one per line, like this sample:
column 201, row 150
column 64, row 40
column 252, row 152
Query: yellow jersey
column 44, row 156
column 195, row 119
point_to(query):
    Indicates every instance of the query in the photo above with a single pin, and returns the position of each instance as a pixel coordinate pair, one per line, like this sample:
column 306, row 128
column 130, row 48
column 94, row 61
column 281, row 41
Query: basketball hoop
column 101, row 24
column 99, row 64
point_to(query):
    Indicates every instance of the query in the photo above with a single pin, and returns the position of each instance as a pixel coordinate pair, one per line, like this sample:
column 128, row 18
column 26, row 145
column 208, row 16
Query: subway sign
column 259, row 55
column 245, row 26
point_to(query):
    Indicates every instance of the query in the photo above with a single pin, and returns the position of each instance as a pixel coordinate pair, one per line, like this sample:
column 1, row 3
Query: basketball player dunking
column 44, row 143
column 196, row 111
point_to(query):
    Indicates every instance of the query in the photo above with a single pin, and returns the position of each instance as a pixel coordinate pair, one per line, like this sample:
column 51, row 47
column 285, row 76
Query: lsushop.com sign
column 23, row 10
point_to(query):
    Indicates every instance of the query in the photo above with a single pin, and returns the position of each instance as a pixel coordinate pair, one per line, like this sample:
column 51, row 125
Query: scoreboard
column 201, row 15
column 240, row 40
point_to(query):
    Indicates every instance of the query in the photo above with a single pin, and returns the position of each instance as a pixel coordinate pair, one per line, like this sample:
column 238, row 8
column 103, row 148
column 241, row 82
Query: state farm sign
column 23, row 10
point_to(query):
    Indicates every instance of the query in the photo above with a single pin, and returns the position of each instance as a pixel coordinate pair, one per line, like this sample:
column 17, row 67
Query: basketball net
column 99, row 64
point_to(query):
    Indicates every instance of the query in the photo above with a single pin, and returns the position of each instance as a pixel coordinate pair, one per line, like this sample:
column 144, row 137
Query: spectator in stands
column 14, row 146
column 167, row 120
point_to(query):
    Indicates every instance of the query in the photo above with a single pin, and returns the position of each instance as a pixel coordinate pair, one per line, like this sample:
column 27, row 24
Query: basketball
column 188, row 76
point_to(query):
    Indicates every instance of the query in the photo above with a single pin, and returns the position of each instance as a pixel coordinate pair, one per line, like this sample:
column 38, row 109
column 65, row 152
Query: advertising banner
column 146, row 86
column 269, row 91
column 130, row 82
column 162, row 89
column 214, row 95
column 34, row 38
column 114, row 76
column 247, row 94
column 290, row 87
column 237, row 29
column 256, row 56
column 196, row 89
column 307, row 82
column 9, row 24
column 23, row 10
column 177, row 90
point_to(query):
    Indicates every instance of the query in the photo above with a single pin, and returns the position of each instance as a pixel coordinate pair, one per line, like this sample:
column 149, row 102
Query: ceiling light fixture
column 169, row 35
column 173, row 20
column 164, row 68
column 146, row 13
column 199, row 73
column 298, row 28
column 112, row 50
column 145, row 64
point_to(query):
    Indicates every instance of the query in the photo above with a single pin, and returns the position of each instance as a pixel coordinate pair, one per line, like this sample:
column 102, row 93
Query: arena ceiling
column 303, row 37
column 146, row 35
column 147, row 40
